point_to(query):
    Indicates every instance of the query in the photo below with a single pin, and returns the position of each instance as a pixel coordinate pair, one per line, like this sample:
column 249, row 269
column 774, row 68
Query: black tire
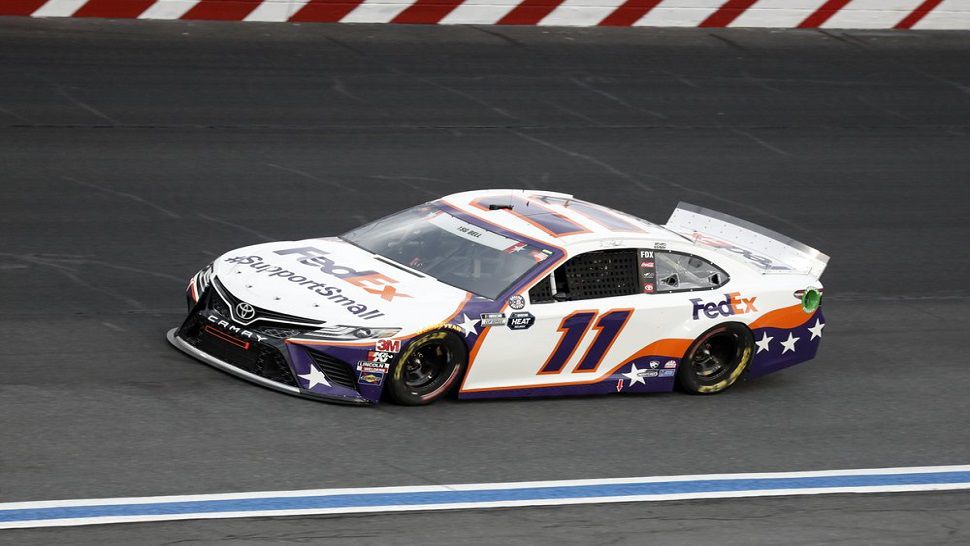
column 428, row 368
column 716, row 359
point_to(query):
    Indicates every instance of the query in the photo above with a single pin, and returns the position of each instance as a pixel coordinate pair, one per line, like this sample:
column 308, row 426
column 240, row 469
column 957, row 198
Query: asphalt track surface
column 134, row 152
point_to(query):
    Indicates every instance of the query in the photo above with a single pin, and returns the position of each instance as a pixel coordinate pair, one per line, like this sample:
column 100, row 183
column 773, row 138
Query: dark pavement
column 132, row 153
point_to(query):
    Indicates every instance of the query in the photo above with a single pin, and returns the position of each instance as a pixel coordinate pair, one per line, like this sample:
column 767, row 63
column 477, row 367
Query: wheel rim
column 425, row 365
column 715, row 356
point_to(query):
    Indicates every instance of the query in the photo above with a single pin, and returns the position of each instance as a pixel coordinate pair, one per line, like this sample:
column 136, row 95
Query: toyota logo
column 245, row 311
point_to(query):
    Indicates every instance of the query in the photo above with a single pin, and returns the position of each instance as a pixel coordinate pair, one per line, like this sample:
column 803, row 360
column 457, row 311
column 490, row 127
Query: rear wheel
column 716, row 359
column 428, row 368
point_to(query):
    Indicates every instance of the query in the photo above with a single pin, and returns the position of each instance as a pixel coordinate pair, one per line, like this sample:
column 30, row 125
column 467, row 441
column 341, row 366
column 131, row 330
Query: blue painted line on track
column 417, row 499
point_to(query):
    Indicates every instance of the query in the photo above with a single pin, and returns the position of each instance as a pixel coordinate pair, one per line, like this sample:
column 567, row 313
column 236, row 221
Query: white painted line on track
column 483, row 495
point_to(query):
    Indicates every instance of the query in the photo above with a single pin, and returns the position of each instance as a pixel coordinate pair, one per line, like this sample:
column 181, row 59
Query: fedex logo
column 370, row 281
column 732, row 304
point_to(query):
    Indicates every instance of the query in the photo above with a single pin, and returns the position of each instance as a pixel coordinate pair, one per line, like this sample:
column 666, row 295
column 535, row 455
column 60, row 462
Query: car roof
column 555, row 218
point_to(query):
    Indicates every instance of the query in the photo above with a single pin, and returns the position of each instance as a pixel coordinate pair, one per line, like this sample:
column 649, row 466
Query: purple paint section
column 301, row 362
column 776, row 356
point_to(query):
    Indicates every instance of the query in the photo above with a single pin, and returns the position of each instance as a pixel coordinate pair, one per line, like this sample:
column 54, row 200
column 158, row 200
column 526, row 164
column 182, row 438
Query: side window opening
column 676, row 272
column 597, row 274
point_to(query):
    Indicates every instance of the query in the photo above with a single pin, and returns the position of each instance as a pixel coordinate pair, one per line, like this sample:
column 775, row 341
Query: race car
column 509, row 293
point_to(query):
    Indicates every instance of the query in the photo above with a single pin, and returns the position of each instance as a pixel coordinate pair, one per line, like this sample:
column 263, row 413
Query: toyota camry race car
column 509, row 293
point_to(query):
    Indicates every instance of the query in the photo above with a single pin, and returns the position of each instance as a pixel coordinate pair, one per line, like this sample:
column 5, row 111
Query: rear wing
column 761, row 248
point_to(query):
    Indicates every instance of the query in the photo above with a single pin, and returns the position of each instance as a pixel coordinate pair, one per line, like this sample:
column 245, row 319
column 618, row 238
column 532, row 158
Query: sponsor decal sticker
column 517, row 301
column 732, row 304
column 654, row 364
column 375, row 356
column 372, row 378
column 670, row 364
column 660, row 246
column 388, row 345
column 666, row 373
column 493, row 319
column 364, row 366
column 370, row 281
column 647, row 271
column 330, row 292
column 521, row 321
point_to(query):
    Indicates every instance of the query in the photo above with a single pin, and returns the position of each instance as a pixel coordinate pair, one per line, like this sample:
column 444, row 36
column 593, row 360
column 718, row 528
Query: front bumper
column 265, row 360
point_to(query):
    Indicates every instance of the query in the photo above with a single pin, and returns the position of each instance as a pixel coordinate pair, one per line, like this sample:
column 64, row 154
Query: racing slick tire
column 716, row 359
column 428, row 368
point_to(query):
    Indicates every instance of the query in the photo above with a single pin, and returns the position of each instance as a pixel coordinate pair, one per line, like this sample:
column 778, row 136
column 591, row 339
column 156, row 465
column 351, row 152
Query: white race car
column 509, row 293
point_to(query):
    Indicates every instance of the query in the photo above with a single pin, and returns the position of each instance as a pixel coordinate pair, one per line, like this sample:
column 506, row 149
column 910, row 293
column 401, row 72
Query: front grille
column 259, row 359
column 262, row 315
column 336, row 371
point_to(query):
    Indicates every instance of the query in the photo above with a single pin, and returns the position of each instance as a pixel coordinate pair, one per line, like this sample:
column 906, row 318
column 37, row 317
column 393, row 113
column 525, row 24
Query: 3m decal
column 732, row 304
column 388, row 345
column 573, row 328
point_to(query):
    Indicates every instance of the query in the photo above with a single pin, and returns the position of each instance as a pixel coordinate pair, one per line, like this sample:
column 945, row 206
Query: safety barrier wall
column 884, row 14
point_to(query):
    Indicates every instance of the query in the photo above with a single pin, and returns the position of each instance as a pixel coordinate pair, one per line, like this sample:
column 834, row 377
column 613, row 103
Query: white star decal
column 468, row 325
column 315, row 377
column 634, row 375
column 763, row 343
column 817, row 329
column 789, row 344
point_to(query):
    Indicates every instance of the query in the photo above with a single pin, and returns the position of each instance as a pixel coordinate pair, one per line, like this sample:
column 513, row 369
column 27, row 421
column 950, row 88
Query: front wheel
column 428, row 368
column 716, row 359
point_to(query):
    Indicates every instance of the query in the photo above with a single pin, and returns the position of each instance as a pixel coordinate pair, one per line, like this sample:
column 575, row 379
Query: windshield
column 455, row 252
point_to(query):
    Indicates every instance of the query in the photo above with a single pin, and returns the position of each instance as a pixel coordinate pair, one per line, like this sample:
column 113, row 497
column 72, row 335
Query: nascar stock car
column 509, row 293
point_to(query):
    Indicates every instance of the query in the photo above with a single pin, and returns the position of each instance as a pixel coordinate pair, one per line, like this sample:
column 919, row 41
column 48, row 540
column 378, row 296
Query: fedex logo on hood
column 732, row 304
column 370, row 281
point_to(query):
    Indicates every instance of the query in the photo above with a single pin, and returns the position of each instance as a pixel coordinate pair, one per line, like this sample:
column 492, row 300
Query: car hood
column 329, row 280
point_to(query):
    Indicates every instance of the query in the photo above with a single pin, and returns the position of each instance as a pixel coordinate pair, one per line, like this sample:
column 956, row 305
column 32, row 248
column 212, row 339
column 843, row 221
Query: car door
column 573, row 328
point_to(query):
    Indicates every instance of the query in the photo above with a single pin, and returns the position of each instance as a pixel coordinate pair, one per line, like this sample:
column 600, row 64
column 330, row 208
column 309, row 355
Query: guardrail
column 854, row 14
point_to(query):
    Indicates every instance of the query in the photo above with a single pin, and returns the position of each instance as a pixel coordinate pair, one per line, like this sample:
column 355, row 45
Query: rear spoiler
column 761, row 248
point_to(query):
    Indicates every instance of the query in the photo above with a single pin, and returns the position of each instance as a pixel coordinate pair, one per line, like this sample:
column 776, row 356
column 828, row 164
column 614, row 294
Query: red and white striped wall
column 898, row 14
